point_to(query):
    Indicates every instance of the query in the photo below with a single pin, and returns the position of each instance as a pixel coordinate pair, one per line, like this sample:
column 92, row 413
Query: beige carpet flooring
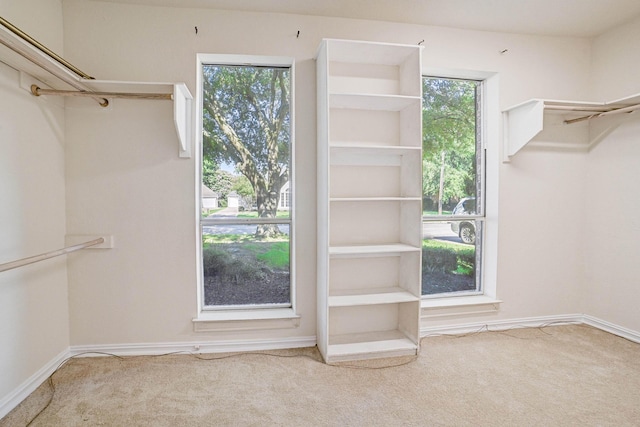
column 570, row 375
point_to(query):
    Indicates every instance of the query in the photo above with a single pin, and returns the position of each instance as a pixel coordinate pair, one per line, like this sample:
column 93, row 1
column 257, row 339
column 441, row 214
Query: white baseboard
column 13, row 399
column 501, row 325
column 146, row 349
column 611, row 328
column 532, row 322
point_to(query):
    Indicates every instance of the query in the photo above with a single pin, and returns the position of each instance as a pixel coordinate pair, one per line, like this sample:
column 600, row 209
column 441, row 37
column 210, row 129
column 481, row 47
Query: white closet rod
column 51, row 254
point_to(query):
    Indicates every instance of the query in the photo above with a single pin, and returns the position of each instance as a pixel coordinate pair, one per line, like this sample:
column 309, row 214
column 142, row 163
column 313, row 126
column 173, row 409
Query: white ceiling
column 580, row 18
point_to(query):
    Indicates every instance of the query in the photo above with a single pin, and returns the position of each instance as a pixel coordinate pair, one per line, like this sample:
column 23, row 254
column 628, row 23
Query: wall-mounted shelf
column 26, row 55
column 180, row 95
column 566, row 125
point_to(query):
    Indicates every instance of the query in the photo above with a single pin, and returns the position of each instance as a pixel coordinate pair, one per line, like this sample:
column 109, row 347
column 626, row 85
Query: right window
column 452, row 186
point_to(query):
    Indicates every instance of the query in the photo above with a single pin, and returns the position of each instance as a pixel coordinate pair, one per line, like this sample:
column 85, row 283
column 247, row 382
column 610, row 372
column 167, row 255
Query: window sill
column 457, row 306
column 245, row 320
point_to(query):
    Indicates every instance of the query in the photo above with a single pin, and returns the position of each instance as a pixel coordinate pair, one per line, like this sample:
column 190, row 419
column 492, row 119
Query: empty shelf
column 353, row 297
column 370, row 345
column 371, row 250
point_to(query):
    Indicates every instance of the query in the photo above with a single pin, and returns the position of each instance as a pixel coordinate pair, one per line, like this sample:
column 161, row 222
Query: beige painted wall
column 124, row 176
column 34, row 322
column 610, row 202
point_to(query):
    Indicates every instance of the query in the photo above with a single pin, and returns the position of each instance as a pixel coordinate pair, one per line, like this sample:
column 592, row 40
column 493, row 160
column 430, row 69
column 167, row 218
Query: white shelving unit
column 369, row 199
column 567, row 125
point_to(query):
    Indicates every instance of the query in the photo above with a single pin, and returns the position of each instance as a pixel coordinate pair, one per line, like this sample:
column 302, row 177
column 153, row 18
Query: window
column 453, row 187
column 246, row 164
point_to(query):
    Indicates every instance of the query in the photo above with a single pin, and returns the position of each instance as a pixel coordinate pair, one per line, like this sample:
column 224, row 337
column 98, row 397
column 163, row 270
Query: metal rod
column 25, row 261
column 33, row 51
column 628, row 109
column 37, row 91
column 35, row 43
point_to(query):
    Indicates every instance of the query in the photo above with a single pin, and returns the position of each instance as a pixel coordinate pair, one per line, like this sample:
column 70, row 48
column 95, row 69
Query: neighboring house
column 209, row 198
column 285, row 197
column 233, row 200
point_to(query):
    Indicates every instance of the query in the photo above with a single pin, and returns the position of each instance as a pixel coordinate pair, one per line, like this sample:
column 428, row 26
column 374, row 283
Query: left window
column 246, row 188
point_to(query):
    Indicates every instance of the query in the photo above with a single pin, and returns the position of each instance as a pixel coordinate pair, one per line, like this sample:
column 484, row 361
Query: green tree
column 246, row 122
column 448, row 139
column 221, row 182
column 243, row 187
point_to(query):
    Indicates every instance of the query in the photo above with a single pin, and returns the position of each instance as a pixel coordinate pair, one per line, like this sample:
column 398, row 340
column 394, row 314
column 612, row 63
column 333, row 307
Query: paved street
column 439, row 231
column 237, row 229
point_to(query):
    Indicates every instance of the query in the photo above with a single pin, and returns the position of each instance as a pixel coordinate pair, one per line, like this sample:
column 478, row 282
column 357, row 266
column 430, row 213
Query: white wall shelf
column 565, row 125
column 369, row 199
column 23, row 56
column 181, row 98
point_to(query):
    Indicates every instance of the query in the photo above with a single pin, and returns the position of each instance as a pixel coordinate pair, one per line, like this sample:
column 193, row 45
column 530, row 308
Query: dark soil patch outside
column 438, row 282
column 273, row 289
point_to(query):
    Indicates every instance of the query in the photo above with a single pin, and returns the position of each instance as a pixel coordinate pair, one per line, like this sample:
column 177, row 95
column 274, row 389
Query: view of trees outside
column 246, row 146
column 449, row 168
column 448, row 142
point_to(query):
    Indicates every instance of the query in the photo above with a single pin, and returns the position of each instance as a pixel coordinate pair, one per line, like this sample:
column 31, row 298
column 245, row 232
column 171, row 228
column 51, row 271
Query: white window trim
column 486, row 301
column 244, row 318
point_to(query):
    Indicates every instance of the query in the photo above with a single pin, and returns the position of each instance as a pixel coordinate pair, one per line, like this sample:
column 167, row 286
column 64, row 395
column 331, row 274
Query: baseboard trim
column 9, row 402
column 501, row 325
column 231, row 346
column 12, row 400
column 611, row 328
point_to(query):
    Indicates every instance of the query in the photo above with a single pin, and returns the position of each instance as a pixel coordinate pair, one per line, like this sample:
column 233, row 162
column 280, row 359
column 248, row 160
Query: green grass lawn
column 274, row 251
column 208, row 212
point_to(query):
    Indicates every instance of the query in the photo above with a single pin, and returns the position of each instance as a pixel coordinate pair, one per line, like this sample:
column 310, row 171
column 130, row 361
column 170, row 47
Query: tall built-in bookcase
column 369, row 199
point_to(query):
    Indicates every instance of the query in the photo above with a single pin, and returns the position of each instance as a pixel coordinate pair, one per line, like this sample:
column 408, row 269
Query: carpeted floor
column 569, row 375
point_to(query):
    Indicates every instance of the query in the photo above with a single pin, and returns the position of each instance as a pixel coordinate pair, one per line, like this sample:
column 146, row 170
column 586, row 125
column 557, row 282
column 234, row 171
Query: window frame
column 485, row 300
column 238, row 313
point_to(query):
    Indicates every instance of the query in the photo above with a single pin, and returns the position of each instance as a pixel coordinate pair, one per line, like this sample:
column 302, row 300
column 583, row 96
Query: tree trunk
column 267, row 202
column 441, row 187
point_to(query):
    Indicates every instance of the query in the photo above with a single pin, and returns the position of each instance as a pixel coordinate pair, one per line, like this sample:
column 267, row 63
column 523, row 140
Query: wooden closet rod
column 25, row 261
column 629, row 109
column 37, row 91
